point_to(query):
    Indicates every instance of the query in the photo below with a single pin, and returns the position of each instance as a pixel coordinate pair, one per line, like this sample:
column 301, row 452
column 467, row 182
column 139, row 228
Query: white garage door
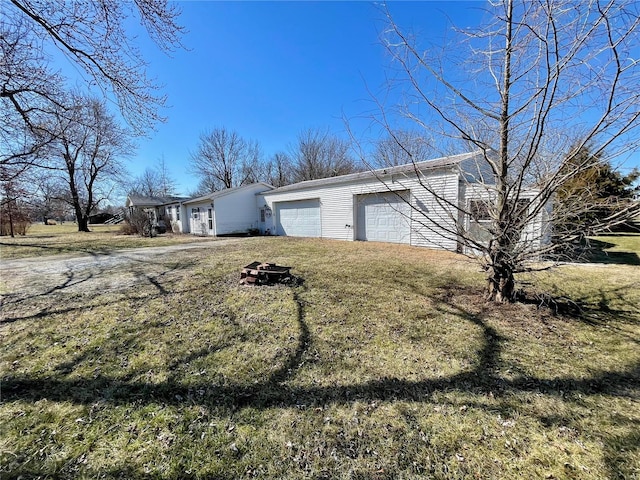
column 384, row 217
column 298, row 219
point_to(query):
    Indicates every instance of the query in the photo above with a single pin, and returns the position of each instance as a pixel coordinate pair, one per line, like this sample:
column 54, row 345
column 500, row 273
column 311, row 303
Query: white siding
column 237, row 212
column 535, row 234
column 434, row 222
column 198, row 218
column 338, row 209
column 233, row 211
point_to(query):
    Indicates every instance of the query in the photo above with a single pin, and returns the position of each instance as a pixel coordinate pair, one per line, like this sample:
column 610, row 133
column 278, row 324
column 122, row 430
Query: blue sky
column 271, row 69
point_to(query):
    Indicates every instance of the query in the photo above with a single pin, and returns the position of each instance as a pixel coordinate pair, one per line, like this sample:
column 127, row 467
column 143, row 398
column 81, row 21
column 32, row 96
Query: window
column 480, row 209
column 479, row 221
column 177, row 213
column 195, row 213
column 210, row 215
column 262, row 215
column 480, row 218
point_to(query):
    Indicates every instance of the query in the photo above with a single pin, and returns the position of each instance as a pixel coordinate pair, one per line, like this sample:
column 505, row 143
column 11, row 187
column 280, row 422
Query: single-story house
column 413, row 204
column 156, row 207
column 417, row 204
column 225, row 212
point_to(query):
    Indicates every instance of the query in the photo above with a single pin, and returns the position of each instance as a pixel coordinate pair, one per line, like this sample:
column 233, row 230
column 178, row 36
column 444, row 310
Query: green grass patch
column 616, row 248
column 385, row 363
column 44, row 240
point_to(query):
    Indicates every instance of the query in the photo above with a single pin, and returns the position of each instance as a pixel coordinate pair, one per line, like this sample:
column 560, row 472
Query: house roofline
column 222, row 193
column 436, row 163
column 141, row 200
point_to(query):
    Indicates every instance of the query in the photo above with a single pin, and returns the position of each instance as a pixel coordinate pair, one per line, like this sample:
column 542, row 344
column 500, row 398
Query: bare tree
column 319, row 154
column 154, row 181
column 278, row 170
column 92, row 35
column 13, row 215
column 530, row 90
column 146, row 184
column 87, row 155
column 225, row 160
column 165, row 179
column 29, row 94
column 48, row 196
column 400, row 148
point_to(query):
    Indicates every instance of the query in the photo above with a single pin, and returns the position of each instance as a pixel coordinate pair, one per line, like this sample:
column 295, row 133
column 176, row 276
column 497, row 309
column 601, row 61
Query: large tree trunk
column 10, row 221
column 81, row 218
column 501, row 284
column 83, row 224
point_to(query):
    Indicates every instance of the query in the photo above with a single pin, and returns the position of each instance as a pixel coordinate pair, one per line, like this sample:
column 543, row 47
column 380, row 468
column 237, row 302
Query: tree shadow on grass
column 276, row 391
column 56, row 250
column 597, row 251
column 72, row 279
column 609, row 307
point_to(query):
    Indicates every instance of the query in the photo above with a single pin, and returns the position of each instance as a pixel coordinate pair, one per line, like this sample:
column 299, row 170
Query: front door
column 210, row 221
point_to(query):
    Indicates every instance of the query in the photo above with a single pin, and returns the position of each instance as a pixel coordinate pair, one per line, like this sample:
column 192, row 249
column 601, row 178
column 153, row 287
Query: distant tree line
column 225, row 159
column 61, row 150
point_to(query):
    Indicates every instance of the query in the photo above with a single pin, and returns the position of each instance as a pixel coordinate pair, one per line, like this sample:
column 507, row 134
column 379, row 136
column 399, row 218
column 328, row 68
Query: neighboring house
column 394, row 205
column 155, row 207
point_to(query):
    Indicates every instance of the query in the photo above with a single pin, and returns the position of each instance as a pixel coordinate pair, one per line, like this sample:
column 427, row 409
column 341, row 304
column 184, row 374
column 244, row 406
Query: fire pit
column 259, row 273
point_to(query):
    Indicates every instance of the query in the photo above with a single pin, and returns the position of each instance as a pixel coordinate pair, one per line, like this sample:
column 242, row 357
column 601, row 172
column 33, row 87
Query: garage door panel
column 300, row 218
column 384, row 217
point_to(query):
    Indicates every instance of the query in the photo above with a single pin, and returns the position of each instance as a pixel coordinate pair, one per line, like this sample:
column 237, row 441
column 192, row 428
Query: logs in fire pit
column 257, row 273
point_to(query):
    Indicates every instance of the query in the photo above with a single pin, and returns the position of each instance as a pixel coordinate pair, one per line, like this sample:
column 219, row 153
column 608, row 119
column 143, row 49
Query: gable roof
column 142, row 201
column 227, row 191
column 443, row 162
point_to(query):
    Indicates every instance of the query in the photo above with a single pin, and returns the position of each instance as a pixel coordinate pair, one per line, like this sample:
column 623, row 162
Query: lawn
column 384, row 364
column 65, row 239
column 623, row 248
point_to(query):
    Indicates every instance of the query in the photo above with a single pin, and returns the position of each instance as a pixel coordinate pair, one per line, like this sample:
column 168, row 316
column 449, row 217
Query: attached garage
column 384, row 217
column 420, row 204
column 300, row 218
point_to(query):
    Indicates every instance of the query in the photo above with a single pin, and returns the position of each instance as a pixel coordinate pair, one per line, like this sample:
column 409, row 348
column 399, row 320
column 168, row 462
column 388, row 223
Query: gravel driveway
column 94, row 272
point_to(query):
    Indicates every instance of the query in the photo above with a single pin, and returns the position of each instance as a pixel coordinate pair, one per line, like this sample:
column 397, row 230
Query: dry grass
column 65, row 239
column 385, row 363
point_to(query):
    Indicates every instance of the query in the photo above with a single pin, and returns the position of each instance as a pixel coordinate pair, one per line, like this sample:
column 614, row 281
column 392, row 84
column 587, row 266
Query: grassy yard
column 65, row 239
column 622, row 248
column 383, row 364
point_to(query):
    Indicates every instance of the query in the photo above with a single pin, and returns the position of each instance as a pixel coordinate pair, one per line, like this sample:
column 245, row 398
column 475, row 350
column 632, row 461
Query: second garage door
column 384, row 217
column 300, row 218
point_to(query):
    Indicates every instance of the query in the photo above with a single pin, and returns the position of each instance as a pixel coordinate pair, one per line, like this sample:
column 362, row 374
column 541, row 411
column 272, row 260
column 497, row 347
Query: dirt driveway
column 85, row 273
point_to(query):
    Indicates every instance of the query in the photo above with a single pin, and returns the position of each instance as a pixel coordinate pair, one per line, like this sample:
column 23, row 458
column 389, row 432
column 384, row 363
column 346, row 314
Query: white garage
column 365, row 205
column 384, row 217
column 300, row 218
